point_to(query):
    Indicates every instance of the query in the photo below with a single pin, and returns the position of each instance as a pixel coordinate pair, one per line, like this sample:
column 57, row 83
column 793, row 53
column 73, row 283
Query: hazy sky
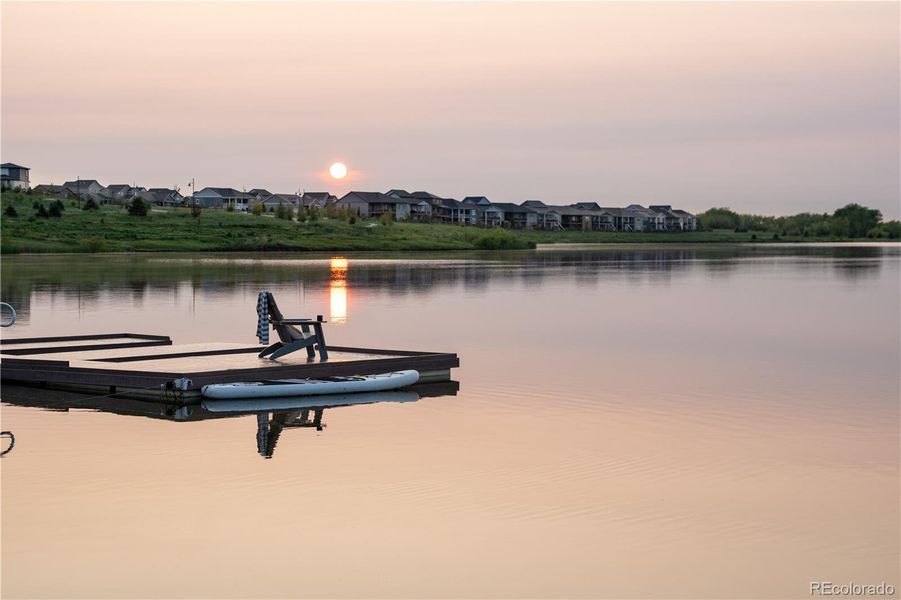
column 764, row 107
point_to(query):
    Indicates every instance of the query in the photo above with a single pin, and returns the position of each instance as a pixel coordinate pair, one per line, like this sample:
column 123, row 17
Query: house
column 548, row 218
column 376, row 204
column 83, row 187
column 432, row 199
column 673, row 221
column 14, row 177
column 647, row 219
column 260, row 193
column 421, row 210
column 617, row 219
column 423, row 205
column 487, row 214
column 162, row 197
column 118, row 191
column 579, row 219
column 318, row 199
column 587, row 205
column 49, row 189
column 456, row 212
column 516, row 216
column 292, row 201
column 689, row 221
column 220, row 197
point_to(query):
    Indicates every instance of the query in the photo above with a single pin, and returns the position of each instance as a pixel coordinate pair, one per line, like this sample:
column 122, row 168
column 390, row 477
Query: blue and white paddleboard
column 310, row 387
column 253, row 405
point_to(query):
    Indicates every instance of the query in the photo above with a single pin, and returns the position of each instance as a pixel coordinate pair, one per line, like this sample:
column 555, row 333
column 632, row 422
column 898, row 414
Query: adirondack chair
column 290, row 338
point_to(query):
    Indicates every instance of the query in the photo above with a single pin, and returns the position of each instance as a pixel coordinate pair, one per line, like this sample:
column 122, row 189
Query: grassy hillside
column 112, row 229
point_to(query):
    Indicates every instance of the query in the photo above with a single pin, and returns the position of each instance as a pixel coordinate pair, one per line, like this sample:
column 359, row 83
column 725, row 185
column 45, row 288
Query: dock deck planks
column 115, row 362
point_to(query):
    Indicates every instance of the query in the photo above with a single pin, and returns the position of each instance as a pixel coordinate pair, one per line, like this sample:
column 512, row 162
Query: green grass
column 112, row 229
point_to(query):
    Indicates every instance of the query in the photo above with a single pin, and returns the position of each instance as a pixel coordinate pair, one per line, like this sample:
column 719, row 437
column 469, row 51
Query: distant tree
column 137, row 208
column 313, row 213
column 55, row 211
column 719, row 218
column 42, row 212
column 58, row 204
column 10, row 211
column 860, row 219
column 302, row 213
column 90, row 204
column 283, row 211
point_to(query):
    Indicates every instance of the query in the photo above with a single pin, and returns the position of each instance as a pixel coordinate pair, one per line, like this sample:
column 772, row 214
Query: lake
column 654, row 422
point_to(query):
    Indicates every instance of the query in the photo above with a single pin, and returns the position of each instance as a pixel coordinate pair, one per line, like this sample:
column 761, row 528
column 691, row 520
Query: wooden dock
column 151, row 366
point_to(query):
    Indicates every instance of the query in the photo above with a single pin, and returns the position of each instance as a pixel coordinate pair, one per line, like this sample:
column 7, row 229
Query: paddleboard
column 253, row 405
column 310, row 387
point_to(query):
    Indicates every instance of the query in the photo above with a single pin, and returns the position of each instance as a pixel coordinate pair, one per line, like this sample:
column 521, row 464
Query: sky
column 763, row 107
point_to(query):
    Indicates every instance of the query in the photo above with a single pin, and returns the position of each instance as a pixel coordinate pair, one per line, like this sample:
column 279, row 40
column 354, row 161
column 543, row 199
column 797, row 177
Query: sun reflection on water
column 338, row 290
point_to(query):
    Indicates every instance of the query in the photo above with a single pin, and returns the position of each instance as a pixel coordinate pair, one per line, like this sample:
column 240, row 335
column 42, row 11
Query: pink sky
column 764, row 107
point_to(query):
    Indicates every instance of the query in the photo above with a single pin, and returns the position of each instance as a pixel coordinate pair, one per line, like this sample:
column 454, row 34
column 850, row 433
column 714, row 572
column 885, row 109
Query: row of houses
column 118, row 192
column 208, row 197
column 532, row 214
column 396, row 204
column 223, row 197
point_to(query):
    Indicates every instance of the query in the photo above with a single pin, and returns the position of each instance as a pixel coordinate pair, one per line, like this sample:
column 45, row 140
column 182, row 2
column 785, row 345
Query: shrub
column 137, row 208
column 230, row 208
column 499, row 239
column 257, row 209
column 284, row 212
column 10, row 212
column 386, row 219
column 55, row 210
column 352, row 219
column 59, row 206
column 314, row 213
column 93, row 244
column 41, row 212
column 90, row 204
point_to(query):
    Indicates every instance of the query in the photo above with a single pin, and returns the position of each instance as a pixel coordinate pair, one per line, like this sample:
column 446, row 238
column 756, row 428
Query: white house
column 14, row 176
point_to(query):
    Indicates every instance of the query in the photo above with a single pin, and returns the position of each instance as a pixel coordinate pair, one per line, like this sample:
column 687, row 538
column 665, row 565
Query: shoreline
column 110, row 229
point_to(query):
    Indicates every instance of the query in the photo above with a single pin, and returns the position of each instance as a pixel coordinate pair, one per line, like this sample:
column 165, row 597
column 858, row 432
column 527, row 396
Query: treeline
column 851, row 221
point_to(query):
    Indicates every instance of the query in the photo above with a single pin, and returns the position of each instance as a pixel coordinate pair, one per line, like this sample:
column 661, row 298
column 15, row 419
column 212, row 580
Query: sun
column 338, row 170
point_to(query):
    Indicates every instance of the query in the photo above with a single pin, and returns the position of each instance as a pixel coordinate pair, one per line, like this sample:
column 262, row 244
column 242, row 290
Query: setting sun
column 338, row 170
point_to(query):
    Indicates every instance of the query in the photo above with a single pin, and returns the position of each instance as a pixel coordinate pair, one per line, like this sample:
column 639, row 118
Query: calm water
column 681, row 422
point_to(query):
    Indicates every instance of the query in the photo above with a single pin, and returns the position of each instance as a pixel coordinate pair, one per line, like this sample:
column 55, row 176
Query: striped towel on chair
column 263, row 317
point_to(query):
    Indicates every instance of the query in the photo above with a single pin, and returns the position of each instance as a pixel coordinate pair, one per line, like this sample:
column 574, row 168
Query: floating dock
column 151, row 366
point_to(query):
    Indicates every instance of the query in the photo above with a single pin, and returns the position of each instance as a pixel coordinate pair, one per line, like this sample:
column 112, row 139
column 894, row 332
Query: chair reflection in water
column 269, row 429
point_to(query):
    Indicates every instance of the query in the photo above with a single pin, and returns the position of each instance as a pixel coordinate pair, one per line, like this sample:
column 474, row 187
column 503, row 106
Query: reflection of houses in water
column 151, row 280
column 337, row 293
